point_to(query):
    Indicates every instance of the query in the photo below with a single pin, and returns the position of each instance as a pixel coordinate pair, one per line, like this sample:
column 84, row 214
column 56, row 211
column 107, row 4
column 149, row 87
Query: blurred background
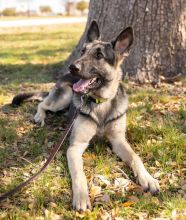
column 30, row 8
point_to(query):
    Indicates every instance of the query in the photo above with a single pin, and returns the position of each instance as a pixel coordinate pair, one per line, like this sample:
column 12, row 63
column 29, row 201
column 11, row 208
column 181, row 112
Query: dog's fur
column 99, row 59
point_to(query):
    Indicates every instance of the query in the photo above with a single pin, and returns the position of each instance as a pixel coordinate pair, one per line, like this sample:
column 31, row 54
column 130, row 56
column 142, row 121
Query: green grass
column 30, row 60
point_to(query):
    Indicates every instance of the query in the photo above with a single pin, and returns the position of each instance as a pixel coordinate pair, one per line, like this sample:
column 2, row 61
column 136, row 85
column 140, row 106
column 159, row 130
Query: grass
column 30, row 60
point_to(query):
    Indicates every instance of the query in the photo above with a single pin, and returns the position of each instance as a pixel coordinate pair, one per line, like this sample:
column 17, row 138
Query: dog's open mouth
column 84, row 85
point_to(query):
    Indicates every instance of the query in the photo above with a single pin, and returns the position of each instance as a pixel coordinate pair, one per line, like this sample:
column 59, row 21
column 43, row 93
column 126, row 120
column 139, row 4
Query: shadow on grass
column 25, row 152
column 27, row 54
column 31, row 145
column 29, row 73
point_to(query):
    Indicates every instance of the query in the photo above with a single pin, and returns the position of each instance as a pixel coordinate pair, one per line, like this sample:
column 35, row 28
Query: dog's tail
column 20, row 98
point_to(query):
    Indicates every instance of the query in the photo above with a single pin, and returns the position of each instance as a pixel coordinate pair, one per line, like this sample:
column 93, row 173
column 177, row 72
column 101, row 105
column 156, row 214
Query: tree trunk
column 159, row 46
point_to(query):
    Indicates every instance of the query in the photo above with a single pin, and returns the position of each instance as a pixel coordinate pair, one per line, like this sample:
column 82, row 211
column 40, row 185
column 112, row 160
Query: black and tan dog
column 97, row 74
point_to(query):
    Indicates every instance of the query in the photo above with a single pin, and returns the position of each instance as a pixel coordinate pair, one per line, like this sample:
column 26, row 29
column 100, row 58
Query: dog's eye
column 83, row 51
column 99, row 55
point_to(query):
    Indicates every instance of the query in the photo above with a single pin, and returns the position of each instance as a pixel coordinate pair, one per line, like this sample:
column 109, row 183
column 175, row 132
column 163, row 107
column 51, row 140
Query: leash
column 53, row 153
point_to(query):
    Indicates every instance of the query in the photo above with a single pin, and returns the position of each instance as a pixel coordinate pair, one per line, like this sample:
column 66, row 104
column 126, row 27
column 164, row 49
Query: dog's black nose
column 73, row 68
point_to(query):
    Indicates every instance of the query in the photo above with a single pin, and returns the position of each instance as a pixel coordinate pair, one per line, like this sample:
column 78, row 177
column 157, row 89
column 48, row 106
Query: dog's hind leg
column 58, row 99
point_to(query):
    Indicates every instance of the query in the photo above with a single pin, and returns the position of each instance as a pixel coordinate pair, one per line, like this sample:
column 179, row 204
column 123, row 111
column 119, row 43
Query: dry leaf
column 39, row 218
column 52, row 205
column 89, row 156
column 157, row 164
column 95, row 191
column 3, row 215
column 52, row 215
column 105, row 198
column 82, row 214
column 104, row 215
column 103, row 179
column 128, row 204
column 121, row 182
column 133, row 199
column 115, row 213
column 178, row 214
column 158, row 174
column 142, row 215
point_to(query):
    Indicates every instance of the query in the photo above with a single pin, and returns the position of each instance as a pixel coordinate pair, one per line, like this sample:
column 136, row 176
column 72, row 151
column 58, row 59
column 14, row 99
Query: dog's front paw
column 81, row 200
column 148, row 183
column 39, row 118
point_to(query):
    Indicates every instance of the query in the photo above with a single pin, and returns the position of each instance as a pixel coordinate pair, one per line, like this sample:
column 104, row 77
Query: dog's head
column 98, row 65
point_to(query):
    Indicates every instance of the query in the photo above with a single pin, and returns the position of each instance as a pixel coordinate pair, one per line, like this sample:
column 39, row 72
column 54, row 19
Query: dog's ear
column 123, row 41
column 93, row 32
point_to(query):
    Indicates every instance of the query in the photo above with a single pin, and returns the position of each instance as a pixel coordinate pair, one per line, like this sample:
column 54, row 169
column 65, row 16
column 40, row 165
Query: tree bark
column 159, row 46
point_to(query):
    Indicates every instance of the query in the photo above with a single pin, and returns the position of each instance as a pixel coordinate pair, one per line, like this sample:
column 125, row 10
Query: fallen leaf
column 128, row 204
column 121, row 182
column 104, row 215
column 103, row 179
column 39, row 218
column 157, row 163
column 52, row 204
column 105, row 198
column 89, row 156
column 52, row 215
column 82, row 214
column 178, row 214
column 95, row 191
column 3, row 215
column 142, row 215
column 133, row 199
column 115, row 212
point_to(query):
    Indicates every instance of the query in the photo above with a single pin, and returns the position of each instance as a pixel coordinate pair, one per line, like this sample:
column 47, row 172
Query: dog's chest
column 105, row 112
column 100, row 113
column 101, row 131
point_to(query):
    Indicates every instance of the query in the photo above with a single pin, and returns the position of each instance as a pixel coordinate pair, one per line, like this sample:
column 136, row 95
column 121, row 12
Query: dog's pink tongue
column 81, row 85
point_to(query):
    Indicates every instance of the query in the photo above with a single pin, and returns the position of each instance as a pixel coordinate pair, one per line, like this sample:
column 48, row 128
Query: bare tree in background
column 160, row 35
column 45, row 9
column 82, row 6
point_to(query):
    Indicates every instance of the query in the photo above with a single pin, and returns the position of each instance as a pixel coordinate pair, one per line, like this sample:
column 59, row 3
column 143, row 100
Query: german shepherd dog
column 96, row 76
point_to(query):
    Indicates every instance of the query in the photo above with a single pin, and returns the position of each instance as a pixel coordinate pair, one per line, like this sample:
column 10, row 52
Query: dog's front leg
column 83, row 131
column 125, row 152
